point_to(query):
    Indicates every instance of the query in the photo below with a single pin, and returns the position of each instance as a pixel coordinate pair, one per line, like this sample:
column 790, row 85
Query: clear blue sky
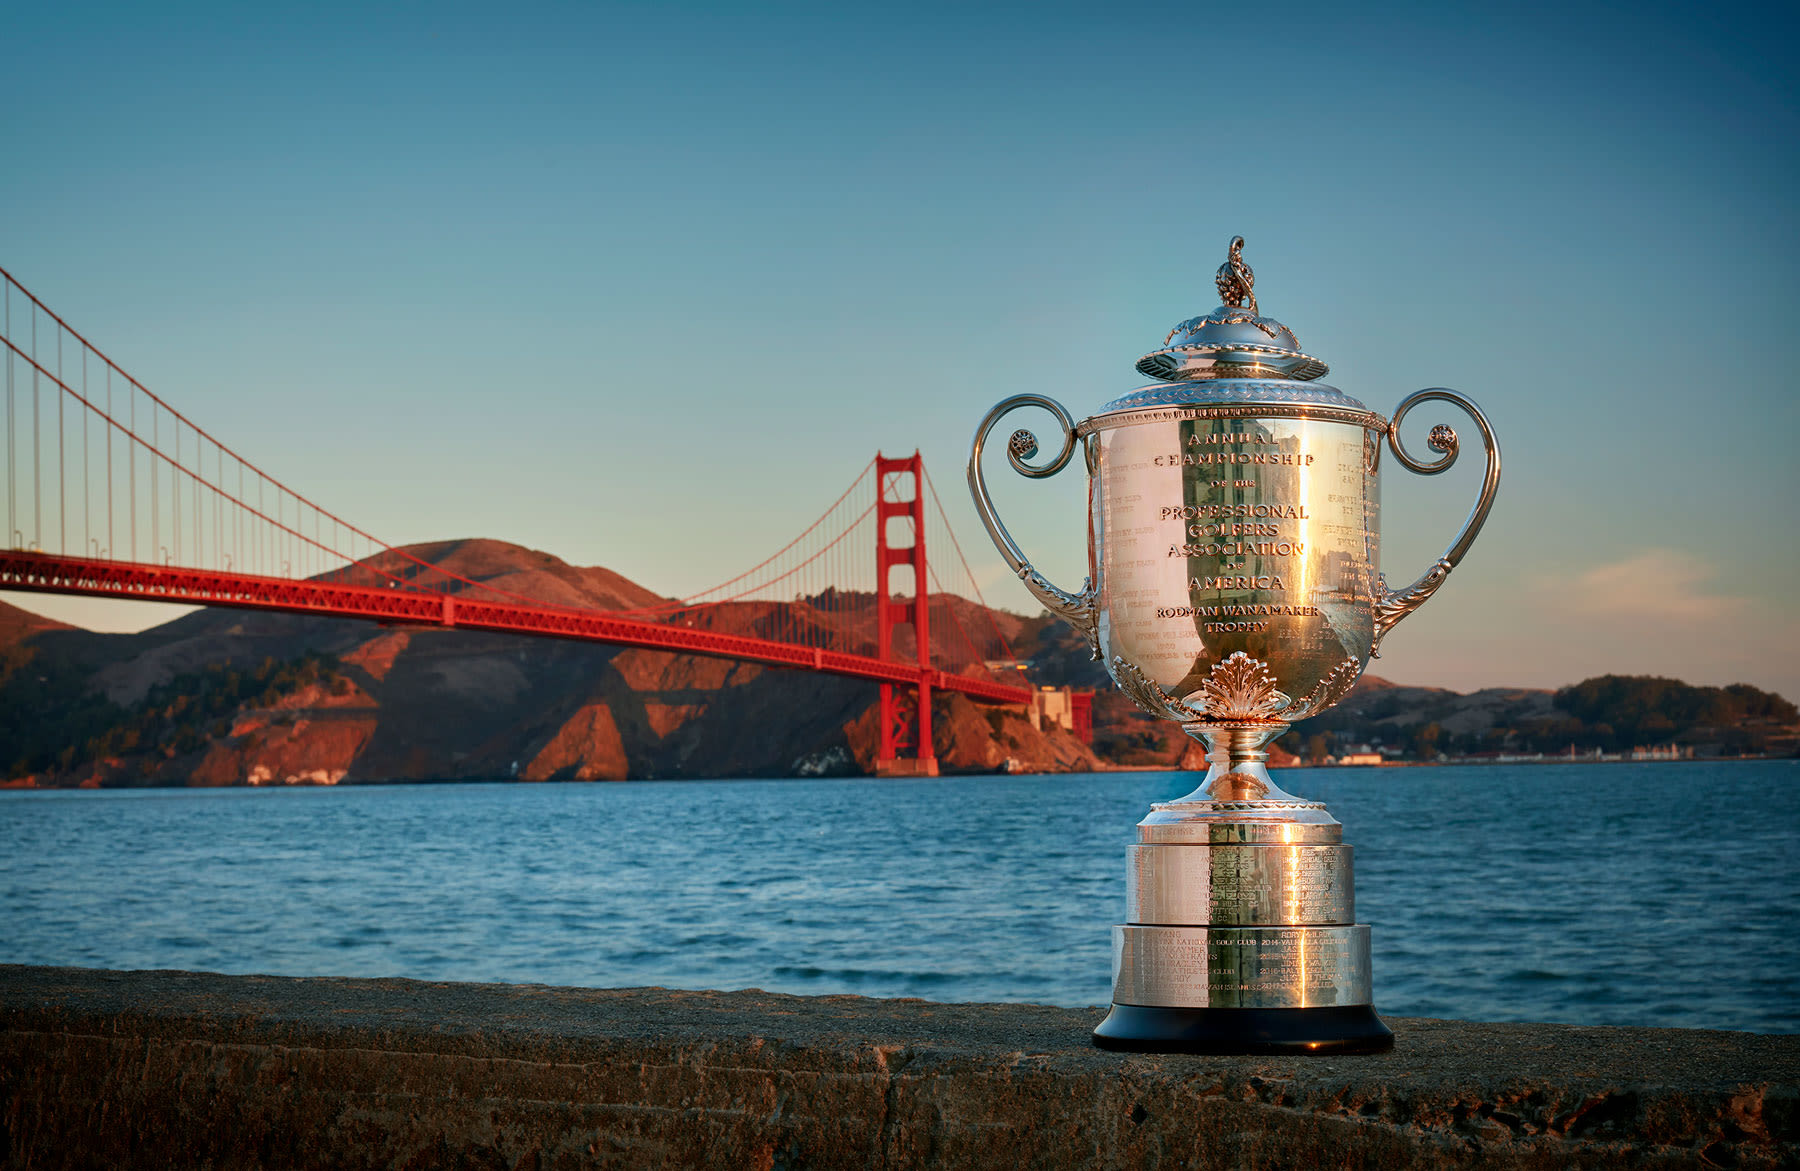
column 645, row 285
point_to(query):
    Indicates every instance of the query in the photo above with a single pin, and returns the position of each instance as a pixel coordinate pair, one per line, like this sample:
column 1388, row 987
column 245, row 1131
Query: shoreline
column 27, row 785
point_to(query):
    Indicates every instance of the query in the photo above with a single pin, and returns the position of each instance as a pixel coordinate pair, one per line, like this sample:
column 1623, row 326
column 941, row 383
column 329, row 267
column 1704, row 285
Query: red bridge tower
column 900, row 503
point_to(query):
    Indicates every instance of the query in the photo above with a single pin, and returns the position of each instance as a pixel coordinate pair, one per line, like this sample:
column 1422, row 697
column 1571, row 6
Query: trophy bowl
column 1234, row 587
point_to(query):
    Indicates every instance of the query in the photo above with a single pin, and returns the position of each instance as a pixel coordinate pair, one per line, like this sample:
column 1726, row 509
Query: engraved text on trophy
column 1230, row 533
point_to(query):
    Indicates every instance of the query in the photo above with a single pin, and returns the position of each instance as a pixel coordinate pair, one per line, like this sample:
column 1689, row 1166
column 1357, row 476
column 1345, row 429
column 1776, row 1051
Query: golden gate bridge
column 111, row 492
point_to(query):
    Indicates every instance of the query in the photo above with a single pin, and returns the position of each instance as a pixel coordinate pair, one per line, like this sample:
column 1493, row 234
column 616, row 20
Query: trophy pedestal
column 1133, row 1028
column 1241, row 934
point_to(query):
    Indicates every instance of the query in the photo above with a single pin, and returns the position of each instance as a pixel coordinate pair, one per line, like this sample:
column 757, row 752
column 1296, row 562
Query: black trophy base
column 1340, row 1029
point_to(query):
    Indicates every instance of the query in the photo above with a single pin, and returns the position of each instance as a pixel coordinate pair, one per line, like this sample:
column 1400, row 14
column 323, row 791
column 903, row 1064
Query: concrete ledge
column 156, row 1069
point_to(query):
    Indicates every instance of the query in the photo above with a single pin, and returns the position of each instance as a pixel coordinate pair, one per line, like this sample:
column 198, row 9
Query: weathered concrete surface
column 155, row 1069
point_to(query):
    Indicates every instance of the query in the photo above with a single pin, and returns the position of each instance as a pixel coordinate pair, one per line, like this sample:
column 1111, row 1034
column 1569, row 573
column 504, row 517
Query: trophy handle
column 1077, row 609
column 1393, row 605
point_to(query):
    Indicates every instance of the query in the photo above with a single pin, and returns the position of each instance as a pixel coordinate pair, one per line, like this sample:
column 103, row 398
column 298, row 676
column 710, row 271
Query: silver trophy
column 1234, row 587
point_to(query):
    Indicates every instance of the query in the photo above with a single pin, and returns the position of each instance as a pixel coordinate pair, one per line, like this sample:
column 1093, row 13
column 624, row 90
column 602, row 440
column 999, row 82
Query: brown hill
column 1378, row 704
column 515, row 570
column 17, row 624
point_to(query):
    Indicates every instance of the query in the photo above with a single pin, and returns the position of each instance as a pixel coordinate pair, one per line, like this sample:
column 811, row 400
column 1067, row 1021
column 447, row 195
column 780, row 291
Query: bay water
column 1629, row 894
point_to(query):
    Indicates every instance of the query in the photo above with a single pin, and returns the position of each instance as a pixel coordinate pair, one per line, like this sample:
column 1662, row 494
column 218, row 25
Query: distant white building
column 1663, row 752
column 1065, row 708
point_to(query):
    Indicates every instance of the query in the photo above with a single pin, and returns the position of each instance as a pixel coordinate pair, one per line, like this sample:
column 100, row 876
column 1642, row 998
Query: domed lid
column 1233, row 356
column 1234, row 340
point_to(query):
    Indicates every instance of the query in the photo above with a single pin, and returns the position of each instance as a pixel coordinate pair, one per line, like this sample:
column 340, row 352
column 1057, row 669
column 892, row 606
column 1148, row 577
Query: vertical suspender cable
column 155, row 480
column 131, row 460
column 110, row 546
column 62, row 458
column 87, row 516
column 12, row 502
column 37, row 477
column 829, row 639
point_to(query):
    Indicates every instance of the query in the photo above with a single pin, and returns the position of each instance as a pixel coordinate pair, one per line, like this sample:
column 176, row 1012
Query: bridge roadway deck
column 162, row 1069
column 50, row 573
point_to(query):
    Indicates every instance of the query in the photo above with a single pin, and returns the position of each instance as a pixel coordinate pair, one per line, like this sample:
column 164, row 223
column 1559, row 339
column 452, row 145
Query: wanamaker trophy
column 1234, row 587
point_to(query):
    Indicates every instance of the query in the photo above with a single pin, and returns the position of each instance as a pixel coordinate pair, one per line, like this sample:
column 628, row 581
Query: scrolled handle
column 1077, row 609
column 1393, row 605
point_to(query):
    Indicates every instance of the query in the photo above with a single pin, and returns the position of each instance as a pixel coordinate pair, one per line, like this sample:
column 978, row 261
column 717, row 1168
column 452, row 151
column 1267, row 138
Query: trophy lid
column 1234, row 340
column 1232, row 355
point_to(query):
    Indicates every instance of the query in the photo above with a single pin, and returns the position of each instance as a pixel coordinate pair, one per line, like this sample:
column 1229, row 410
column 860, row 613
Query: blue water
column 1657, row 894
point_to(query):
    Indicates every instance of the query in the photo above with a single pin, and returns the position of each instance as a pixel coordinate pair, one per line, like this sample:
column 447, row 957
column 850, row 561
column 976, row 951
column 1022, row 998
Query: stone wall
column 160, row 1069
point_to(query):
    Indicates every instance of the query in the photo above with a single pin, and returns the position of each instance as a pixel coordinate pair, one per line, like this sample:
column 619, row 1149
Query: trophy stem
column 1237, row 756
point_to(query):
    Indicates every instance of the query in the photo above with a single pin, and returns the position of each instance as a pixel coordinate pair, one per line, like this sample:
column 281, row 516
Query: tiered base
column 1240, row 932
column 1348, row 1029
